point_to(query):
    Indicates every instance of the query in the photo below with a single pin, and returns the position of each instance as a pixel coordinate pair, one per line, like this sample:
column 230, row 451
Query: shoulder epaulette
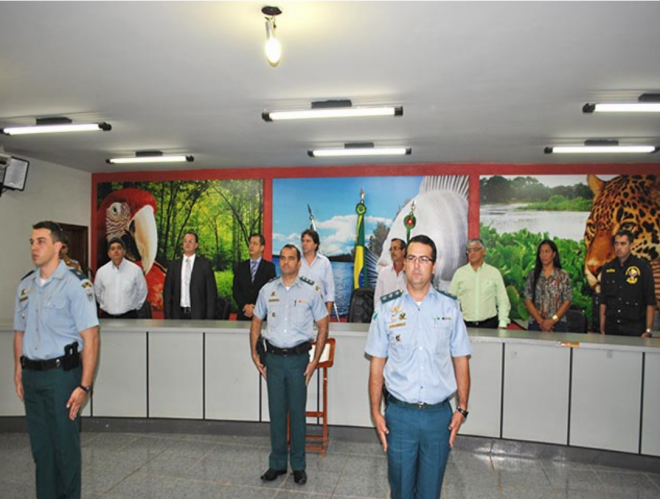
column 28, row 274
column 307, row 280
column 391, row 296
column 448, row 295
column 274, row 279
column 78, row 274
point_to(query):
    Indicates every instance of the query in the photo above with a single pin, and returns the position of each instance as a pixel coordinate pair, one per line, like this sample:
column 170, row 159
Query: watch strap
column 463, row 412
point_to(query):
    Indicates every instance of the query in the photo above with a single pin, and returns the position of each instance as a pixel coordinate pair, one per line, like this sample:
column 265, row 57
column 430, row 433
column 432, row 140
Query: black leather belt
column 419, row 405
column 186, row 310
column 301, row 349
column 491, row 322
column 41, row 365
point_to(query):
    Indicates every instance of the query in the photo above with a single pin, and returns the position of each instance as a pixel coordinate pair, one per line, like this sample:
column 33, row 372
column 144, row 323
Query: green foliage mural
column 223, row 213
column 514, row 254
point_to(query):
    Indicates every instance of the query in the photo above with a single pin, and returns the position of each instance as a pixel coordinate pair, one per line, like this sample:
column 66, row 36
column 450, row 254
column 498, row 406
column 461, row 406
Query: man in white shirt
column 393, row 277
column 317, row 267
column 120, row 286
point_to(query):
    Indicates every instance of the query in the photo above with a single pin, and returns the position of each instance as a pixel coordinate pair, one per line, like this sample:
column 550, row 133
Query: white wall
column 52, row 192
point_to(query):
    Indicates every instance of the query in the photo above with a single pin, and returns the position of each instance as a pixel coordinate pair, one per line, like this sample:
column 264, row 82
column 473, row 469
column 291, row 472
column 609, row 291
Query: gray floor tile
column 528, row 493
column 291, row 494
column 12, row 490
column 452, row 490
column 364, row 485
column 192, row 489
column 356, row 448
column 573, row 479
column 627, row 480
column 655, row 478
column 515, row 472
column 236, row 492
column 142, row 485
column 320, row 482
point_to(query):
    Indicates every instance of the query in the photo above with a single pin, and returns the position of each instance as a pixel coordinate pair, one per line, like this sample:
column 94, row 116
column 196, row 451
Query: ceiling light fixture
column 359, row 149
column 273, row 48
column 56, row 125
column 646, row 103
column 333, row 109
column 151, row 157
column 601, row 146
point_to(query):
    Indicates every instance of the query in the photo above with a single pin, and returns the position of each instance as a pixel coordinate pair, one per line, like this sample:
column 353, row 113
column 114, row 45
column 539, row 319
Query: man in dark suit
column 250, row 276
column 190, row 291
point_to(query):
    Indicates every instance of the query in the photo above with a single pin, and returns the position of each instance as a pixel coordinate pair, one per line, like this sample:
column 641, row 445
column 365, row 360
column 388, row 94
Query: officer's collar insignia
column 77, row 273
column 448, row 295
column 391, row 296
column 402, row 316
column 307, row 280
column 87, row 284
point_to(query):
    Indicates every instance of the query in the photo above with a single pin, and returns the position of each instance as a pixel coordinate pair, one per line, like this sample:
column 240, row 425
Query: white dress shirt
column 320, row 271
column 388, row 281
column 185, row 287
column 120, row 289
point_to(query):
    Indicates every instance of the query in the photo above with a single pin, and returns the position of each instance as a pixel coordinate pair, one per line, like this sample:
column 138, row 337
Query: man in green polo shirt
column 480, row 290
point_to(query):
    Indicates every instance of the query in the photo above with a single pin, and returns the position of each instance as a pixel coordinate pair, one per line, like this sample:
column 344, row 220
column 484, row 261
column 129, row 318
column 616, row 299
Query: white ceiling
column 480, row 82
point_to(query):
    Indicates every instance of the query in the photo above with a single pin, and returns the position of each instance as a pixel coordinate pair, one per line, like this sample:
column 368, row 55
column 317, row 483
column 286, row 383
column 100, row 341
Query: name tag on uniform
column 397, row 324
column 273, row 299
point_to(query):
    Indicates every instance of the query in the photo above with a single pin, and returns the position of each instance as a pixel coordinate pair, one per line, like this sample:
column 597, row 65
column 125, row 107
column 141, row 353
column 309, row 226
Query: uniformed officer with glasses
column 420, row 351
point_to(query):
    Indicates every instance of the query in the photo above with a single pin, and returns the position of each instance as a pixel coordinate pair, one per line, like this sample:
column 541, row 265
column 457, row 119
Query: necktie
column 253, row 270
column 186, row 279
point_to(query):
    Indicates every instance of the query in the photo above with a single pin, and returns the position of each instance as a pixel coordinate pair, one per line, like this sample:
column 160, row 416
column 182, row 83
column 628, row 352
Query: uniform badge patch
column 633, row 273
column 90, row 294
column 402, row 316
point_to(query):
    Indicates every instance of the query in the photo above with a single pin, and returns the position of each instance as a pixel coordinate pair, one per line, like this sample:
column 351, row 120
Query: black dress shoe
column 300, row 477
column 272, row 474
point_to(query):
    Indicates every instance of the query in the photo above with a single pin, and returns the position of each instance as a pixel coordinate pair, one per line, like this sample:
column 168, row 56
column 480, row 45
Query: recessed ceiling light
column 646, row 103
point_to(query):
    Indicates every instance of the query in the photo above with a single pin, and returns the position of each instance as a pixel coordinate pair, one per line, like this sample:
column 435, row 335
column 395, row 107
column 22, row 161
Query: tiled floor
column 121, row 465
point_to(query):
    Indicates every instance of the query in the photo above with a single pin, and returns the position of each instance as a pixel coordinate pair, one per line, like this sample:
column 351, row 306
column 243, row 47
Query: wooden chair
column 327, row 360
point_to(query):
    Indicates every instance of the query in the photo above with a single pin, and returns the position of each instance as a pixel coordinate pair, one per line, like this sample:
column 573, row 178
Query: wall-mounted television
column 14, row 175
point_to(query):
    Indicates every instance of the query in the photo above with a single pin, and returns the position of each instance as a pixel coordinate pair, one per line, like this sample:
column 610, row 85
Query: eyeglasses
column 474, row 250
column 423, row 260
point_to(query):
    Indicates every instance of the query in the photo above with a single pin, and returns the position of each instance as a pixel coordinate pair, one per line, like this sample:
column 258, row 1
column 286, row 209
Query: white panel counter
column 578, row 390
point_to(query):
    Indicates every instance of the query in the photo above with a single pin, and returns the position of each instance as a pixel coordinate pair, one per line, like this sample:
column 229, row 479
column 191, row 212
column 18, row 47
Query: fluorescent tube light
column 646, row 103
column 87, row 127
column 333, row 109
column 600, row 149
column 360, row 151
column 151, row 158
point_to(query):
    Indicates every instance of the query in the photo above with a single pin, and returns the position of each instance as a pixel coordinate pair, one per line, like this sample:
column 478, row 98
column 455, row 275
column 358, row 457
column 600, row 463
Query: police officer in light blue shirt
column 420, row 351
column 292, row 305
column 55, row 349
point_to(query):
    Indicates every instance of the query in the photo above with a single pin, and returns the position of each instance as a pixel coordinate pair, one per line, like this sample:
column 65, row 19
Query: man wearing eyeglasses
column 480, row 289
column 392, row 277
column 420, row 351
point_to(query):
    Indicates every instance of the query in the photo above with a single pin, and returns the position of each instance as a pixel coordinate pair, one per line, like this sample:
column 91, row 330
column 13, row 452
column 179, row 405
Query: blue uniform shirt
column 52, row 315
column 418, row 342
column 291, row 312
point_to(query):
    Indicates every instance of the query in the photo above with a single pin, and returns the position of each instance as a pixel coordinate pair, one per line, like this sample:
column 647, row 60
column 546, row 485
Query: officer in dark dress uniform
column 627, row 292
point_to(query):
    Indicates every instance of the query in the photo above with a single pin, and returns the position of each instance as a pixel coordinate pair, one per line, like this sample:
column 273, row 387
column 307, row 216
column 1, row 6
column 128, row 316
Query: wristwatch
column 555, row 318
column 86, row 389
column 463, row 412
column 648, row 330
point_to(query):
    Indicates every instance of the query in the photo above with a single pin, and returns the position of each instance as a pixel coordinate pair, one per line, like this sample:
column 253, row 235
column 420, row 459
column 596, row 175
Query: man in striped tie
column 250, row 276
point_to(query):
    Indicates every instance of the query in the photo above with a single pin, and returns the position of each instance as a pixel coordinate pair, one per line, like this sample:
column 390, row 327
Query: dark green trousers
column 54, row 438
column 287, row 394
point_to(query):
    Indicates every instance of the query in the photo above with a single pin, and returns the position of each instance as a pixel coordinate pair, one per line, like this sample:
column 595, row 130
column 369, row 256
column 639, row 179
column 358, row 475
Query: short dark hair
column 624, row 232
column 422, row 239
column 117, row 240
column 192, row 234
column 403, row 243
column 293, row 247
column 313, row 234
column 56, row 232
column 261, row 237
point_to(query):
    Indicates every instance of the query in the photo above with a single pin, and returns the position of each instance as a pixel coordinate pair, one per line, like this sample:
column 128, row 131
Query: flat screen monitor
column 15, row 174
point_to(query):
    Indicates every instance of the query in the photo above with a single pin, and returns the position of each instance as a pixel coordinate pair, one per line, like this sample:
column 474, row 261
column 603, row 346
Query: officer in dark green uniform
column 55, row 350
column 292, row 304
column 627, row 290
